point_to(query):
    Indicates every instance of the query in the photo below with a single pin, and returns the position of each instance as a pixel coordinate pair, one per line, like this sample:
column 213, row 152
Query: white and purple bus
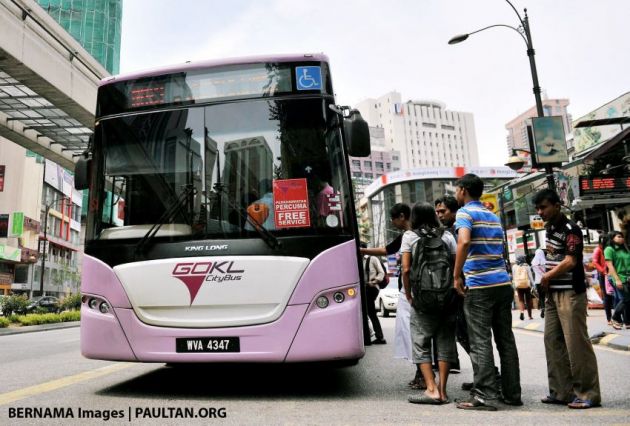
column 220, row 224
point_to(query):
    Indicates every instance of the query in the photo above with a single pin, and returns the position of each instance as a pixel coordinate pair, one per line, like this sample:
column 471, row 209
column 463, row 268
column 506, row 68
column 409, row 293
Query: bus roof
column 191, row 66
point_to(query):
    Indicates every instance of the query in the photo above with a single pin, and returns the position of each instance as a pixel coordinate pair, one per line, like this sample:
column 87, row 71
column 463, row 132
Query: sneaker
column 522, row 317
column 379, row 342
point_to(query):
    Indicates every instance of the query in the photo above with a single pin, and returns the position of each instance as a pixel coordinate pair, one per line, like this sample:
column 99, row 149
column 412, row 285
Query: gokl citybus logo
column 193, row 274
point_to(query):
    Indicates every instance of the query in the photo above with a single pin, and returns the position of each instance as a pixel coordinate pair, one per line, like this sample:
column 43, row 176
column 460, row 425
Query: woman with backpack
column 428, row 253
column 523, row 279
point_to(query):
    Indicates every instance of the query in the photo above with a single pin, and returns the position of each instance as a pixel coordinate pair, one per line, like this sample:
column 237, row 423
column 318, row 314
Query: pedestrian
column 618, row 260
column 571, row 361
column 488, row 298
column 523, row 279
column 538, row 268
column 400, row 215
column 607, row 289
column 446, row 209
column 373, row 275
column 427, row 264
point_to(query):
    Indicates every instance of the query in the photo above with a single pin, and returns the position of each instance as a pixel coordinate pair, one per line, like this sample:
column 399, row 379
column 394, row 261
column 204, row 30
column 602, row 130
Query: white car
column 387, row 299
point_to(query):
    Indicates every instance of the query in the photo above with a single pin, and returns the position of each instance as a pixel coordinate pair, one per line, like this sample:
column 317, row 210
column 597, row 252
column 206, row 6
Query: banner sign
column 16, row 225
column 10, row 253
column 2, row 171
column 550, row 140
column 290, row 203
column 490, row 202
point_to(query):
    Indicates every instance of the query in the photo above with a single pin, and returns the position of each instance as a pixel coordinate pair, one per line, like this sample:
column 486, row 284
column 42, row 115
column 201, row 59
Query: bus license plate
column 207, row 344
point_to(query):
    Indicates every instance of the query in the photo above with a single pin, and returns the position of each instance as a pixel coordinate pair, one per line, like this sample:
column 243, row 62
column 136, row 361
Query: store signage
column 2, row 171
column 603, row 185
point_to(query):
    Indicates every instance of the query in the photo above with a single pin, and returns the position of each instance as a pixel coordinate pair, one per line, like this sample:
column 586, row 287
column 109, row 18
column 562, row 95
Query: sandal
column 416, row 378
column 551, row 400
column 419, row 385
column 474, row 403
column 424, row 399
column 582, row 404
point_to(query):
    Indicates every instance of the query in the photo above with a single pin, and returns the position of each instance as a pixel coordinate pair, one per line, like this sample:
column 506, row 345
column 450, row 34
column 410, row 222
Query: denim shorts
column 425, row 327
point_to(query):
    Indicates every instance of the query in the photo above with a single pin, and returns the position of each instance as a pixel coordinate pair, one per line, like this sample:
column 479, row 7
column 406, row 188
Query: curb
column 36, row 328
column 612, row 340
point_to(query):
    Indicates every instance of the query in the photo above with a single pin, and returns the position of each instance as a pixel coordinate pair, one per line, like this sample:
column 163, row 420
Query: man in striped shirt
column 571, row 362
column 488, row 298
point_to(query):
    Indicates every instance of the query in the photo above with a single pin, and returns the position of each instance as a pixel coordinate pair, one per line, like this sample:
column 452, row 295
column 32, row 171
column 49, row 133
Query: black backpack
column 384, row 282
column 431, row 274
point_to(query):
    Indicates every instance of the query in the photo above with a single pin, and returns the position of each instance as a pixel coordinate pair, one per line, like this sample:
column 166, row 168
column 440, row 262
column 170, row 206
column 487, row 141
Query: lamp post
column 43, row 243
column 524, row 31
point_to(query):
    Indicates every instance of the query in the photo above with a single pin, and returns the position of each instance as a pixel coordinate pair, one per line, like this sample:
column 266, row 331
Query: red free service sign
column 290, row 203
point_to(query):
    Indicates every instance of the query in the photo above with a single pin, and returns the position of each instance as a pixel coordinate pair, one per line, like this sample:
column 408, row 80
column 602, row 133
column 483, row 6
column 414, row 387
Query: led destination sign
column 186, row 87
column 603, row 185
column 199, row 86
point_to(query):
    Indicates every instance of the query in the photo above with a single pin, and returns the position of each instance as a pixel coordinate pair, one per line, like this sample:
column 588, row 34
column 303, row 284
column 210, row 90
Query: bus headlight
column 103, row 307
column 322, row 302
column 93, row 303
column 339, row 297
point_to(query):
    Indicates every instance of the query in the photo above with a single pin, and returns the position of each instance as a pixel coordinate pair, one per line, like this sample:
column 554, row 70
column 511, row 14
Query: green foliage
column 13, row 318
column 71, row 303
column 4, row 322
column 36, row 319
column 70, row 316
column 14, row 304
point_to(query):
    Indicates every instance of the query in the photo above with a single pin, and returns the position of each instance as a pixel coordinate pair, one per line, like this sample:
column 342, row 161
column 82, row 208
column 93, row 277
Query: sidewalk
column 601, row 333
column 42, row 327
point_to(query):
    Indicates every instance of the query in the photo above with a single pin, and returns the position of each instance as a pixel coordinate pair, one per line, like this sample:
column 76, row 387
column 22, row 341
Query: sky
column 376, row 46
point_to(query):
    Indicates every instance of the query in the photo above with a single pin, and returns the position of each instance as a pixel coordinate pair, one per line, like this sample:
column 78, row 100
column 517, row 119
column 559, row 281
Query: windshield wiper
column 264, row 234
column 168, row 214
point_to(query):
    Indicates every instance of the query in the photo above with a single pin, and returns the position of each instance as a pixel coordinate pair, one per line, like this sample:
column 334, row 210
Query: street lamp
column 524, row 32
column 44, row 241
column 516, row 162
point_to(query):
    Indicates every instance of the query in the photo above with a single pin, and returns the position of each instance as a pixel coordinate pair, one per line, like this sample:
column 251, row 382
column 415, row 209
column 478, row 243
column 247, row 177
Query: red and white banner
column 290, row 203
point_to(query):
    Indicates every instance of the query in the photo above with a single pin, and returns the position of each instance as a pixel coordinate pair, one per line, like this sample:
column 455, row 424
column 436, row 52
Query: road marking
column 607, row 338
column 533, row 326
column 52, row 385
column 597, row 347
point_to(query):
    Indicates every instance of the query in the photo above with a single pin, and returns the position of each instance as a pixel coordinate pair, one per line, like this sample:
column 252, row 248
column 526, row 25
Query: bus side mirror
column 82, row 173
column 357, row 133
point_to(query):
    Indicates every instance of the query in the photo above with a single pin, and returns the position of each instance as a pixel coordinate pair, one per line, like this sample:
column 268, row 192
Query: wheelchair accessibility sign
column 308, row 78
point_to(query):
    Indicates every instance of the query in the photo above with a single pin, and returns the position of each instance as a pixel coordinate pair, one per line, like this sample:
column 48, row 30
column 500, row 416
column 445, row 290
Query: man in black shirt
column 571, row 362
column 400, row 214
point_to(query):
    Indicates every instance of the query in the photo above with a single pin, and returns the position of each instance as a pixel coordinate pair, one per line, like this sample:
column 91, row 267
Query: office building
column 424, row 132
column 96, row 24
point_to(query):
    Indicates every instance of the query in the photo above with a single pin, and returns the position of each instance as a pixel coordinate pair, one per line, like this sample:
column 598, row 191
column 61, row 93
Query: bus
column 220, row 223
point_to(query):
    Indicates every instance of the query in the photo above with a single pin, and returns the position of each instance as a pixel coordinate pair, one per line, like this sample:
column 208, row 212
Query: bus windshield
column 199, row 172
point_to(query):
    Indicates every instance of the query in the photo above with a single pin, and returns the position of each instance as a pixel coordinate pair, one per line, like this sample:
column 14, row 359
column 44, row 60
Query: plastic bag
column 593, row 297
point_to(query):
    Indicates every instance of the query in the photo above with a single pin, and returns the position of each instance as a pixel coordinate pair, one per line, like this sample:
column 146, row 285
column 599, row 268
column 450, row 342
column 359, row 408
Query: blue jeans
column 488, row 312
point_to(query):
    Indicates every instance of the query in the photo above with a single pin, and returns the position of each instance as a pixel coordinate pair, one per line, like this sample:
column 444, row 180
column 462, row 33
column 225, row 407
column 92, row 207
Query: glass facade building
column 96, row 24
